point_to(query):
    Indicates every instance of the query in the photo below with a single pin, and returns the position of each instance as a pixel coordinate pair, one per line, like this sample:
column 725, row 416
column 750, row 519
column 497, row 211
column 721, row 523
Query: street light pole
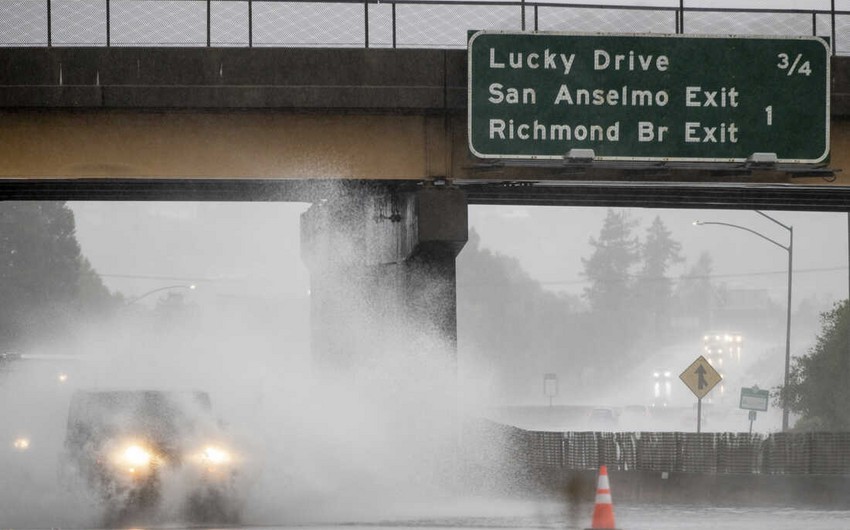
column 788, row 331
column 790, row 250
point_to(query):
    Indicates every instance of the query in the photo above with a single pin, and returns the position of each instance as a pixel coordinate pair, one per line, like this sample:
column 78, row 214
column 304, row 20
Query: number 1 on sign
column 769, row 111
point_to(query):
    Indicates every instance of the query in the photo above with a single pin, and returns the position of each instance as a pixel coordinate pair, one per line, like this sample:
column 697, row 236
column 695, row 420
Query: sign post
column 648, row 97
column 752, row 417
column 700, row 377
column 550, row 386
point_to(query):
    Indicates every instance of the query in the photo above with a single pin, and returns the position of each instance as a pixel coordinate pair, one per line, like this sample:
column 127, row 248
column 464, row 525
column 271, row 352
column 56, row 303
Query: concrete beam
column 441, row 221
column 840, row 90
column 220, row 145
column 373, row 80
column 373, row 227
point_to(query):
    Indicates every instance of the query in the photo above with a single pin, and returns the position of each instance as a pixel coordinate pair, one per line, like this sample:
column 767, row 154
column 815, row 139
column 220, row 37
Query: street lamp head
column 132, row 301
column 696, row 223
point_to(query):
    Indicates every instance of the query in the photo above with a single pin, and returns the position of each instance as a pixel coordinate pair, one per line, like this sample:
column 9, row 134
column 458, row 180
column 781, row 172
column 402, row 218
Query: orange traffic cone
column 603, row 512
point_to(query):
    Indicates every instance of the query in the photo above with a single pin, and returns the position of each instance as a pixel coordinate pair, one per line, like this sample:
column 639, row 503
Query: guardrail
column 376, row 23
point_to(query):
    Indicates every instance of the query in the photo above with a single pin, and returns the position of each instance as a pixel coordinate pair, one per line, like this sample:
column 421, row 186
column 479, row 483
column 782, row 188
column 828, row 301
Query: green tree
column 817, row 386
column 608, row 269
column 654, row 291
column 45, row 282
column 611, row 329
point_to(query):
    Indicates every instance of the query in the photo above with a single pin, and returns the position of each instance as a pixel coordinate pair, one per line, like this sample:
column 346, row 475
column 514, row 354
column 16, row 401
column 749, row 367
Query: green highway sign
column 754, row 398
column 648, row 97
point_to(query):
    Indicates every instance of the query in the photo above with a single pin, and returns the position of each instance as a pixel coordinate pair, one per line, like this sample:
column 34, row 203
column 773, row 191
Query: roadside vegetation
column 818, row 391
column 47, row 285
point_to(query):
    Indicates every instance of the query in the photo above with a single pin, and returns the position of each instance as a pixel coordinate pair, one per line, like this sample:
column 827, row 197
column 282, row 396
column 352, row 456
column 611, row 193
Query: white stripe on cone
column 603, row 498
column 603, row 483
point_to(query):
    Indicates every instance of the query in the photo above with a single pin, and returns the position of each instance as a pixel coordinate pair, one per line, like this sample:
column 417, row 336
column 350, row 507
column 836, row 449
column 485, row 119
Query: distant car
column 6, row 360
column 602, row 419
column 9, row 357
column 639, row 411
column 125, row 446
column 636, row 417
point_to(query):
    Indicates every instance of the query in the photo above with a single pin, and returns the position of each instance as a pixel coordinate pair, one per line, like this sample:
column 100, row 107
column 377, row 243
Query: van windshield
column 158, row 416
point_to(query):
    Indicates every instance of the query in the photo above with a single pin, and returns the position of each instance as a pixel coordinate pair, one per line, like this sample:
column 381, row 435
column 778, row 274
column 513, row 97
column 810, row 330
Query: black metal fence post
column 393, row 23
column 108, row 25
column 209, row 23
column 49, row 24
column 522, row 6
column 682, row 17
column 535, row 18
column 832, row 14
column 250, row 24
column 366, row 21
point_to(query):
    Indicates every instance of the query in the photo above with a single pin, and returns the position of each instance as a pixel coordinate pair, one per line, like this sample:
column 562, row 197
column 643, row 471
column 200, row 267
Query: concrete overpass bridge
column 376, row 139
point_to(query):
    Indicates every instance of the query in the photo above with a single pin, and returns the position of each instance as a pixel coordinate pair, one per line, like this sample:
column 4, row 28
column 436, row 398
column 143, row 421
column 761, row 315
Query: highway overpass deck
column 113, row 118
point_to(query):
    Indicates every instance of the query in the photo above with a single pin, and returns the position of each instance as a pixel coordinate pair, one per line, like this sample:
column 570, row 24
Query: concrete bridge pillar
column 382, row 266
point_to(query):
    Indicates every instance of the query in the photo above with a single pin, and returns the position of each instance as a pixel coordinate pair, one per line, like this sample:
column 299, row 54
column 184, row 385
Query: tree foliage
column 817, row 387
column 659, row 251
column 608, row 269
column 45, row 282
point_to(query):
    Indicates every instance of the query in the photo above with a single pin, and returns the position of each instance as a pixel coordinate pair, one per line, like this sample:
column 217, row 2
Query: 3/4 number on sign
column 785, row 63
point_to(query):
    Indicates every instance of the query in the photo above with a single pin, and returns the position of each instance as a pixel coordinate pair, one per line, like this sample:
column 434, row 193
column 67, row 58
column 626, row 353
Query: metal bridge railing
column 376, row 23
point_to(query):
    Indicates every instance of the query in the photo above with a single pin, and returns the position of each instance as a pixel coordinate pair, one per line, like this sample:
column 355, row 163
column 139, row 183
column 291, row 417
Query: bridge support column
column 382, row 266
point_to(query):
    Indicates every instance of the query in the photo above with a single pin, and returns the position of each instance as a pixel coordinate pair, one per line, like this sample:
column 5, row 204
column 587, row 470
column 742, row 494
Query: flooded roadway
column 472, row 513
column 508, row 515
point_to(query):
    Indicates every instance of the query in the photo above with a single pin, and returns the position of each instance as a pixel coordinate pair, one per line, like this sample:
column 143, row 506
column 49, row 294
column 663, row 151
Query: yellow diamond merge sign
column 700, row 377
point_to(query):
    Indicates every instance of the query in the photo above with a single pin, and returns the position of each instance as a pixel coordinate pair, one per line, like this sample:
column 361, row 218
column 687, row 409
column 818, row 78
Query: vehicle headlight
column 21, row 444
column 135, row 458
column 136, row 455
column 215, row 455
column 212, row 457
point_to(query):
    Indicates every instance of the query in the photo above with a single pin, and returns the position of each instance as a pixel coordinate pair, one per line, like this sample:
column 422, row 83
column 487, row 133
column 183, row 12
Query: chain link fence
column 376, row 23
column 778, row 453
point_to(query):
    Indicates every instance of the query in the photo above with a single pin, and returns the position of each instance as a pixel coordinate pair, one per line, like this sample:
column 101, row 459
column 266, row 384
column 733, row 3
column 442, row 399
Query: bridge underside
column 547, row 193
